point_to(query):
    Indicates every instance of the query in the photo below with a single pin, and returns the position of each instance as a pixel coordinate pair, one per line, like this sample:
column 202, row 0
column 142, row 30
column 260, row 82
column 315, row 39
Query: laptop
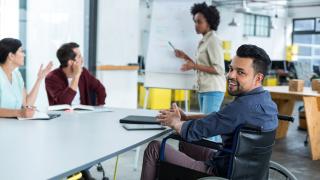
column 132, row 127
column 139, row 120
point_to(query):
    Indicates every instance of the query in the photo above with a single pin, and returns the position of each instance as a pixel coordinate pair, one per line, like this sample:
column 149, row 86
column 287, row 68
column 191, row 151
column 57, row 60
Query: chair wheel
column 99, row 168
column 105, row 178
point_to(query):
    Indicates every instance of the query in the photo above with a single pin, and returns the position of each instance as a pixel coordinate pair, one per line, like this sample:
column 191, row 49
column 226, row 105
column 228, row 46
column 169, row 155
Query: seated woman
column 14, row 100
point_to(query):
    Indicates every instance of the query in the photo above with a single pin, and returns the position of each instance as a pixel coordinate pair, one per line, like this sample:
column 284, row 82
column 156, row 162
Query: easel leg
column 186, row 103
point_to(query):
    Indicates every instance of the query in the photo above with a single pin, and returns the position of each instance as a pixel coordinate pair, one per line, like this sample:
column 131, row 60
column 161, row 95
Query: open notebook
column 40, row 116
column 63, row 107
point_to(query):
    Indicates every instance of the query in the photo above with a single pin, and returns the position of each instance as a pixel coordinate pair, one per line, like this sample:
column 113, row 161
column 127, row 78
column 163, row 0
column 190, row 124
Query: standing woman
column 209, row 61
column 14, row 100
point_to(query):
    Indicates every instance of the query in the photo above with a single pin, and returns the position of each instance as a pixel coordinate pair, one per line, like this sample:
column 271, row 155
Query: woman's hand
column 42, row 73
column 180, row 54
column 26, row 112
column 189, row 65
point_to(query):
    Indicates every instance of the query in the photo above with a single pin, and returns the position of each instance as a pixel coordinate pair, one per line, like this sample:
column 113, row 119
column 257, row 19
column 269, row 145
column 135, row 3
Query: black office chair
column 249, row 156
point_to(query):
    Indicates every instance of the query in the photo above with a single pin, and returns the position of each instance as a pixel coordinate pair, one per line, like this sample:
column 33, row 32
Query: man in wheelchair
column 252, row 105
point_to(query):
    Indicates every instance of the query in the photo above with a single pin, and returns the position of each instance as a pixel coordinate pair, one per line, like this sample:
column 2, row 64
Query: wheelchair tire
column 212, row 178
column 277, row 171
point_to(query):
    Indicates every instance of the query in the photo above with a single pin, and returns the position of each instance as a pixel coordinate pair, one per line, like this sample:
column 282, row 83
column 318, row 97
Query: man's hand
column 76, row 68
column 184, row 117
column 171, row 118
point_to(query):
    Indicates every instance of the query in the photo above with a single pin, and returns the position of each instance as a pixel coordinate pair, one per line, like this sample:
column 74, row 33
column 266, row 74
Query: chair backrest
column 93, row 98
column 252, row 152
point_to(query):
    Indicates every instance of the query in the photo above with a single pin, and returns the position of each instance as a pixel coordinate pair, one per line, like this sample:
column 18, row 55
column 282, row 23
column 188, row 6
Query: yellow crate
column 292, row 49
column 179, row 95
column 226, row 45
column 141, row 94
column 158, row 98
column 291, row 57
column 270, row 81
column 227, row 56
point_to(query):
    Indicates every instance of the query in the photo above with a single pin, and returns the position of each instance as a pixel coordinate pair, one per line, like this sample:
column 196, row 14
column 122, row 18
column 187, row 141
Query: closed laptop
column 139, row 120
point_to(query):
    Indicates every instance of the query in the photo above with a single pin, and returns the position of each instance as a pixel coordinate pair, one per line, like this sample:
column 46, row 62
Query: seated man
column 71, row 83
column 252, row 105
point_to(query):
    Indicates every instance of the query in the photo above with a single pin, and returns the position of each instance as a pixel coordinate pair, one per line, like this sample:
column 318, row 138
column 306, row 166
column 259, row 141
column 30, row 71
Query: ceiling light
column 233, row 22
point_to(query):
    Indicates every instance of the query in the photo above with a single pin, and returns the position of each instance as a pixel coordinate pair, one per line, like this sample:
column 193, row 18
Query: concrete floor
column 289, row 152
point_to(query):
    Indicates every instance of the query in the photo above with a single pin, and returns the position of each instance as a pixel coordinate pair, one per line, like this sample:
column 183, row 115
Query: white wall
column 50, row 24
column 304, row 12
column 145, row 10
column 118, row 25
column 273, row 45
column 118, row 44
column 9, row 18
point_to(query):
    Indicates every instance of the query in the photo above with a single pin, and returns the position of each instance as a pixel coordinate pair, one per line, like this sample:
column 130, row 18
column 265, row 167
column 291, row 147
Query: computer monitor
column 279, row 64
column 316, row 69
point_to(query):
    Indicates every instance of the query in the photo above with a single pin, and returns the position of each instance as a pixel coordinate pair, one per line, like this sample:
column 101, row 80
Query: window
column 249, row 25
column 306, row 35
column 303, row 25
column 318, row 24
column 257, row 25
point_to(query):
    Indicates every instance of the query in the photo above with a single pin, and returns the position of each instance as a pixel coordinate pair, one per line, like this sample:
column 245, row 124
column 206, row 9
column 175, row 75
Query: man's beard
column 234, row 84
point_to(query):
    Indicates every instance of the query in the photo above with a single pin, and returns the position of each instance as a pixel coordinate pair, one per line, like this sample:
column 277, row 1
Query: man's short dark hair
column 65, row 53
column 209, row 12
column 8, row 45
column 261, row 59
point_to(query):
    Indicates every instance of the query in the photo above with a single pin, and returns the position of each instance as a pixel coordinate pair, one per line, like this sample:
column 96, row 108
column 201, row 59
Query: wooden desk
column 286, row 100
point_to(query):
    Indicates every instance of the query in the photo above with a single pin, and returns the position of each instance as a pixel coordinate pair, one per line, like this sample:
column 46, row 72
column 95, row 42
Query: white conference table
column 54, row 149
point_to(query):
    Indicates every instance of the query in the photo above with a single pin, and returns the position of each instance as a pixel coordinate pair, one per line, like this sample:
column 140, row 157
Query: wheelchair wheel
column 212, row 178
column 279, row 172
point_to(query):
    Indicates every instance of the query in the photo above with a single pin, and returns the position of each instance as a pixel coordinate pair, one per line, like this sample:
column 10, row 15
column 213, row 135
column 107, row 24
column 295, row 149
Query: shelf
column 113, row 67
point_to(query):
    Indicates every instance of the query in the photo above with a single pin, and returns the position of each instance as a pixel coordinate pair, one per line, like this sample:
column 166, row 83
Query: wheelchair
column 248, row 157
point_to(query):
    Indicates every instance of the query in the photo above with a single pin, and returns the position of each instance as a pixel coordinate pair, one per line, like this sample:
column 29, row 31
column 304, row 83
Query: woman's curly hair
column 210, row 13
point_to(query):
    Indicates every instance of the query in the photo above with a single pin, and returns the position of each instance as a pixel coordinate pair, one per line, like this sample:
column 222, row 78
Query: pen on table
column 32, row 107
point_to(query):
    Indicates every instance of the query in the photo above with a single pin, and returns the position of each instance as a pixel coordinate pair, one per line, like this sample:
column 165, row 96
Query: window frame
column 255, row 25
column 294, row 20
column 306, row 32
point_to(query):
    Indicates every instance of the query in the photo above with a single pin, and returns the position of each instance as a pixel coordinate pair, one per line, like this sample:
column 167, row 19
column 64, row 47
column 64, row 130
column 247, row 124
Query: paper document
column 63, row 107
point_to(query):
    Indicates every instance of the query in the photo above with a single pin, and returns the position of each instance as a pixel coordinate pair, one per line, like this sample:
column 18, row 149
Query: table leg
column 312, row 109
column 285, row 107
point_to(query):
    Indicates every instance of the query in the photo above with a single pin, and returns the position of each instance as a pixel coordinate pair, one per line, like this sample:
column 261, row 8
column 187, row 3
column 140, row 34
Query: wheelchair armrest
column 209, row 144
column 202, row 142
column 285, row 118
